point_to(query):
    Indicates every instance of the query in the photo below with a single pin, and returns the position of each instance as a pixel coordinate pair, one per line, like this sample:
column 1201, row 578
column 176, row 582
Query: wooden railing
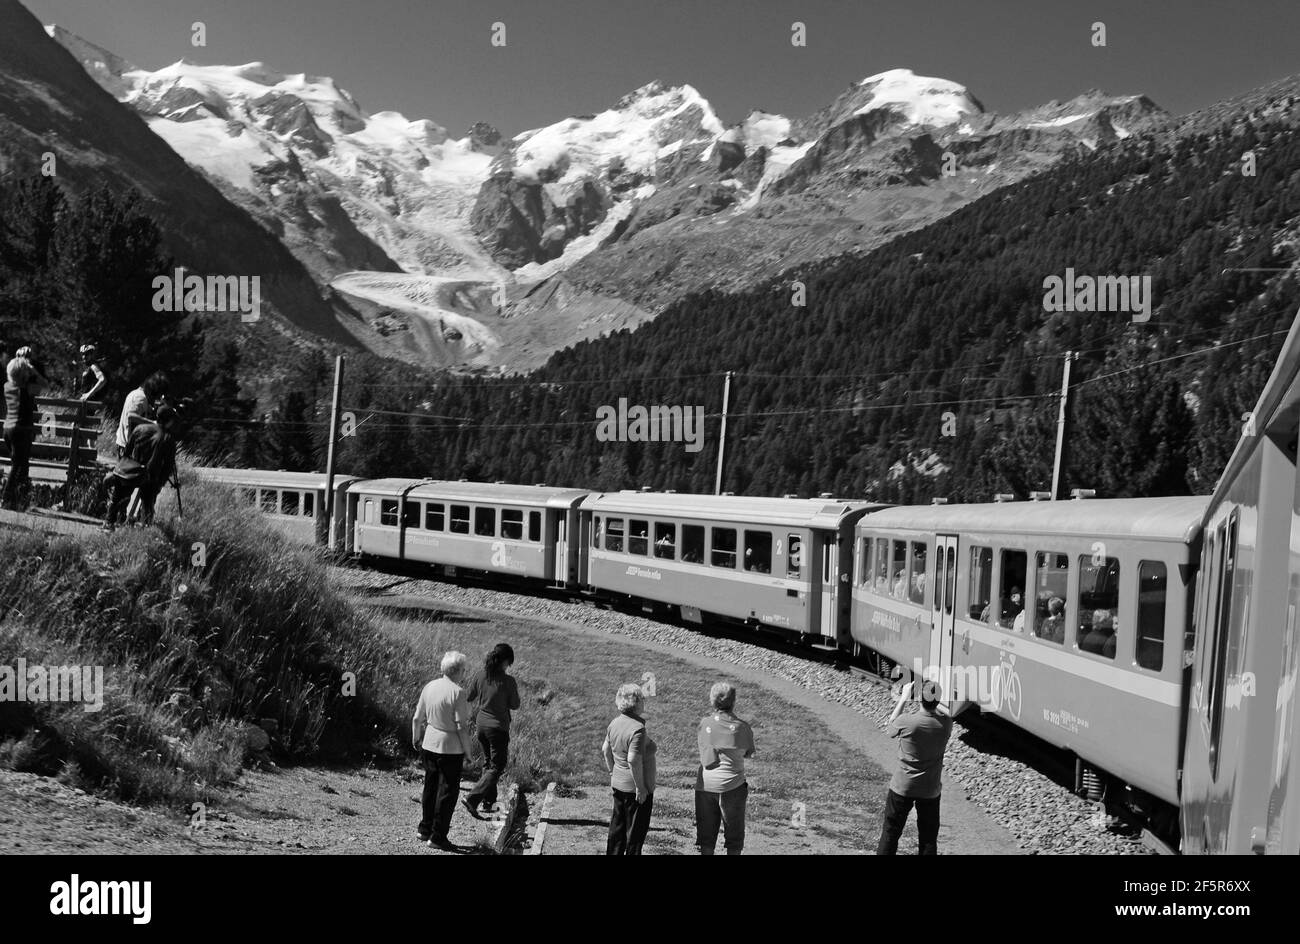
column 66, row 433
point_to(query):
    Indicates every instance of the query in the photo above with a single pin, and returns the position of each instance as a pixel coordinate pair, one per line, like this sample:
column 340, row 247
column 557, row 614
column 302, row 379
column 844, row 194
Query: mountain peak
column 922, row 100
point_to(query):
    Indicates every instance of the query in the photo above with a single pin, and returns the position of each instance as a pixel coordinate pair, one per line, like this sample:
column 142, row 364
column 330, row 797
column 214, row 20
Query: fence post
column 74, row 455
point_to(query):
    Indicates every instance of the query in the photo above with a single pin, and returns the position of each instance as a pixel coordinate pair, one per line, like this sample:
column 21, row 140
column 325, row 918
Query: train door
column 830, row 566
column 943, row 591
column 561, row 541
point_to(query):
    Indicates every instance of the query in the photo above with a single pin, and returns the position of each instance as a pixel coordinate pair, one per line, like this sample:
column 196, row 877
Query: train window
column 950, row 584
column 614, row 534
column 309, row 504
column 534, row 526
column 758, row 551
column 1011, row 591
column 693, row 543
column 865, row 569
column 435, row 516
column 638, row 537
column 1098, row 629
column 724, row 547
column 485, row 522
column 898, row 567
column 289, row 503
column 881, row 578
column 916, row 576
column 980, row 588
column 388, row 512
column 794, row 560
column 1051, row 591
column 595, row 532
column 512, row 524
column 665, row 540
column 270, row 500
column 411, row 514
column 1153, row 581
column 460, row 519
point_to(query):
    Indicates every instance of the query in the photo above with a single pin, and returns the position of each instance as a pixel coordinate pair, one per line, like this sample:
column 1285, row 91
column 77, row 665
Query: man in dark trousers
column 148, row 463
column 922, row 739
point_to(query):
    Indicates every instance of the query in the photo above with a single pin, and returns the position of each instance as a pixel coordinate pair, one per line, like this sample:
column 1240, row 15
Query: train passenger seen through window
column 1052, row 626
column 693, row 543
column 882, row 567
column 665, row 540
column 614, row 534
column 916, row 581
column 512, row 524
column 485, row 522
column 758, row 552
column 638, row 537
column 1052, row 576
column 1011, row 600
column 898, row 567
column 981, row 582
column 1098, row 604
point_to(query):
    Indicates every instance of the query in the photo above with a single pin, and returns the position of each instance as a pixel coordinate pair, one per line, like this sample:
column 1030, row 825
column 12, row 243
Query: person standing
column 496, row 694
column 721, row 789
column 440, row 732
column 148, row 463
column 139, row 406
column 630, row 759
column 918, row 779
column 93, row 379
column 23, row 385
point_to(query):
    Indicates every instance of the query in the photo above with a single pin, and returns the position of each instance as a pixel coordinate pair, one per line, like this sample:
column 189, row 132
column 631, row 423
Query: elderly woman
column 720, row 787
column 440, row 732
column 630, row 758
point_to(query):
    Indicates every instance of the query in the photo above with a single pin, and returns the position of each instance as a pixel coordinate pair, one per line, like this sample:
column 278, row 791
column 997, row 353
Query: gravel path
column 1043, row 816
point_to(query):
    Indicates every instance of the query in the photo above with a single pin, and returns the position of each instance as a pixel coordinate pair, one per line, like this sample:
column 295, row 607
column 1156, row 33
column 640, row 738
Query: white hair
column 628, row 697
column 453, row 663
column 723, row 696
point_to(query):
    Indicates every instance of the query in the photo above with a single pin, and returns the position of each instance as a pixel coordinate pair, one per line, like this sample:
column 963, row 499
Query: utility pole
column 722, row 434
column 329, row 461
column 1058, row 466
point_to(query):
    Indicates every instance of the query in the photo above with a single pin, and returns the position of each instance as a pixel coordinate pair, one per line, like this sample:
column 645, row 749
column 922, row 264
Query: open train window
column 898, row 568
column 1098, row 624
column 1153, row 585
column 512, row 524
column 614, row 534
column 289, row 503
column 460, row 519
column 1011, row 592
column 270, row 501
column 758, row 551
column 411, row 515
column 665, row 540
column 435, row 516
column 794, row 559
column 880, row 579
column 638, row 537
column 388, row 512
column 980, row 587
column 693, row 543
column 1051, row 594
column 724, row 547
column 534, row 526
column 865, row 548
column 1222, row 630
column 485, row 522
column 309, row 504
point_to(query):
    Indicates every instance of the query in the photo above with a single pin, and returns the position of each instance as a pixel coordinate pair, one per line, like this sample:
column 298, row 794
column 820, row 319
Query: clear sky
column 434, row 59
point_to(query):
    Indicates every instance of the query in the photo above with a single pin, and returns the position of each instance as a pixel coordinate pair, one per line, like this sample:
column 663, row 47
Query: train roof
column 793, row 512
column 265, row 479
column 1160, row 519
column 500, row 493
column 1279, row 399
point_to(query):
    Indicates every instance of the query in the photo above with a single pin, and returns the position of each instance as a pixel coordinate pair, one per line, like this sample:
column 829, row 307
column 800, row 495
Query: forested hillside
column 849, row 394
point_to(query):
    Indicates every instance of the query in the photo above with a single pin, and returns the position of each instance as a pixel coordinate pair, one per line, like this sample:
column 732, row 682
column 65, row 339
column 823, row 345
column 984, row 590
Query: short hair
column 1056, row 606
column 166, row 416
column 453, row 663
column 155, row 385
column 929, row 694
column 628, row 697
column 723, row 696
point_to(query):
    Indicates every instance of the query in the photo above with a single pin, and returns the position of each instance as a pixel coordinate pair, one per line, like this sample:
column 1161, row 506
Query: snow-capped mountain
column 482, row 251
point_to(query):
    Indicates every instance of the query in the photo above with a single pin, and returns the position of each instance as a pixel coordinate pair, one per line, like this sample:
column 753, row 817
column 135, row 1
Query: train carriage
column 293, row 502
column 1089, row 659
column 518, row 530
column 778, row 562
column 1241, row 766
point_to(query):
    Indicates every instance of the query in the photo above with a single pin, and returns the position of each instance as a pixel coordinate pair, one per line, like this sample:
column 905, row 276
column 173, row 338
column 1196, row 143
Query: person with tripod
column 148, row 463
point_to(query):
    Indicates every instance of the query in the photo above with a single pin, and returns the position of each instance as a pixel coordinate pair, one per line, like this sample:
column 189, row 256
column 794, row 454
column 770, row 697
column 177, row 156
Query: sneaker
column 423, row 837
column 443, row 844
column 472, row 807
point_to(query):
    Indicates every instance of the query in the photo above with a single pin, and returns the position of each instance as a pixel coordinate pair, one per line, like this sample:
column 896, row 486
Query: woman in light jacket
column 720, row 786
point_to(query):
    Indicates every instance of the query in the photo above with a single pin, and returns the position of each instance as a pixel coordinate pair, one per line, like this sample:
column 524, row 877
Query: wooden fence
column 66, row 433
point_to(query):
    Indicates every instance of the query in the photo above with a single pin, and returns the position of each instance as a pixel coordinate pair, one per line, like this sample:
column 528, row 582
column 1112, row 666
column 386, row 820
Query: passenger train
column 1154, row 638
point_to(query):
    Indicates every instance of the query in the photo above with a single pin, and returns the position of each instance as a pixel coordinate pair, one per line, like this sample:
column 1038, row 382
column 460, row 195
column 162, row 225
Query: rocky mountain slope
column 596, row 222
